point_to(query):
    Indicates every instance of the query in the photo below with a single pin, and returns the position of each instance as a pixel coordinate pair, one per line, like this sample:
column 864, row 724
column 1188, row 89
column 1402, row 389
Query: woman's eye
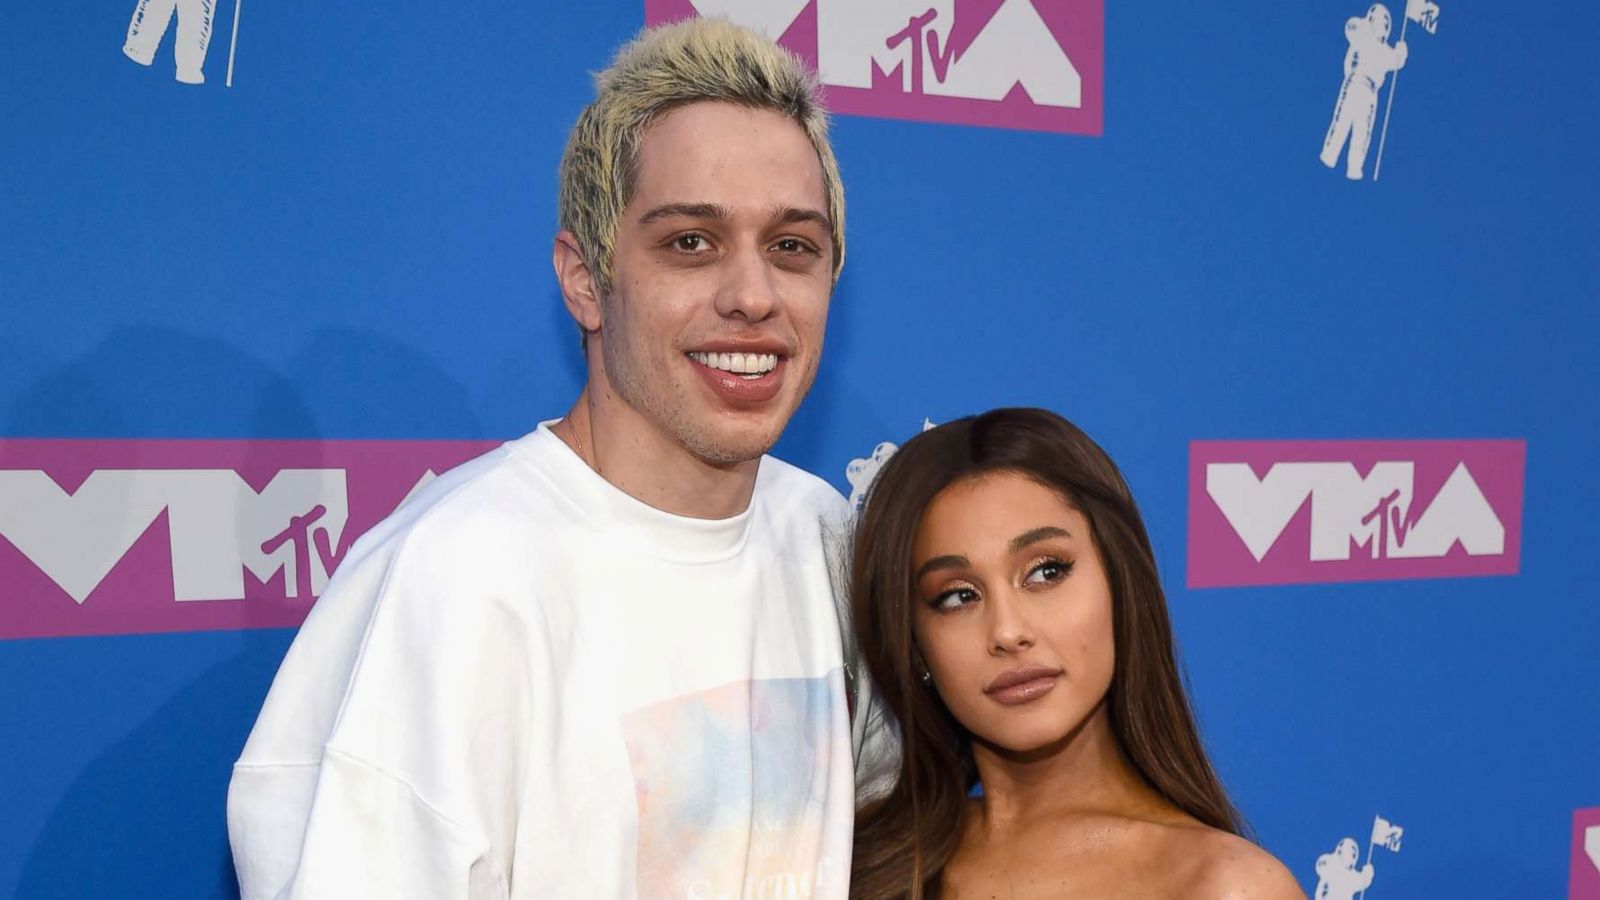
column 1048, row 572
column 953, row 599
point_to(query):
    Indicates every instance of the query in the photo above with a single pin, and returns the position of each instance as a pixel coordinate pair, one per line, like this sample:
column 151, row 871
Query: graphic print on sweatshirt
column 732, row 786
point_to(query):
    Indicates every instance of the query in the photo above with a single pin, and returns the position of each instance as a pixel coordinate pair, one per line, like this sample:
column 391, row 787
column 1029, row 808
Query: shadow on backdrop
column 146, row 817
column 362, row 384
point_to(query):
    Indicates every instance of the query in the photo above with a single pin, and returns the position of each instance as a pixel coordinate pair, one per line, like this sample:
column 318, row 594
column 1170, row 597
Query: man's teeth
column 750, row 364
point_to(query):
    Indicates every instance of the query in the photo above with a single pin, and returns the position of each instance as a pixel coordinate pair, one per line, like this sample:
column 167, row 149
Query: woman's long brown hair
column 904, row 840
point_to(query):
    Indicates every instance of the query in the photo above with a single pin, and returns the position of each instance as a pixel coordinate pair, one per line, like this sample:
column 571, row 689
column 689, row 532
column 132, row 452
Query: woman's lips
column 1022, row 685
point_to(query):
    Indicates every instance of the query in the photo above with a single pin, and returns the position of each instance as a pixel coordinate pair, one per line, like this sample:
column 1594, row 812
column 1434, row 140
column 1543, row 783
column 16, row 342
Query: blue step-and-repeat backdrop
column 1321, row 275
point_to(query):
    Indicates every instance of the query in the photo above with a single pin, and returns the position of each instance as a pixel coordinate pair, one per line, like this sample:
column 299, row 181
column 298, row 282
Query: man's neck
column 640, row 460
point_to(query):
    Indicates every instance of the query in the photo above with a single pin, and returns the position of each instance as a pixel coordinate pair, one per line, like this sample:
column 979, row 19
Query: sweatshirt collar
column 618, row 514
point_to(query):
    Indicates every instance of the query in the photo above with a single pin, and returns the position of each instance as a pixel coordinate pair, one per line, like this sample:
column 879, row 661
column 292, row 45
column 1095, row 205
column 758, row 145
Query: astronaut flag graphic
column 149, row 25
column 1386, row 833
column 1369, row 61
column 150, row 22
column 1423, row 13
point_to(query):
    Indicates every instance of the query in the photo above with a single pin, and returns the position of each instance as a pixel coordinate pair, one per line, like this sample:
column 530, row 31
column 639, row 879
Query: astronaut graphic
column 1337, row 875
column 1367, row 62
column 149, row 24
column 862, row 472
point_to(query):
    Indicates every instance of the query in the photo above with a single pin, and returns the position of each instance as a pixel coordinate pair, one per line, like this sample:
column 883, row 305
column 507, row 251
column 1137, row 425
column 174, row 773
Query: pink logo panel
column 1291, row 512
column 126, row 537
column 1034, row 65
column 1585, row 883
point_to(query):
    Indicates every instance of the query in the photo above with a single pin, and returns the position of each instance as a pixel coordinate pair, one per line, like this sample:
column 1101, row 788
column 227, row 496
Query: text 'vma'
column 1289, row 512
column 1017, row 64
column 119, row 537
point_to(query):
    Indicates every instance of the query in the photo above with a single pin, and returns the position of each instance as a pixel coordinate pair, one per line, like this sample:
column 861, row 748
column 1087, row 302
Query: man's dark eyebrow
column 685, row 210
column 942, row 562
column 1035, row 535
column 791, row 215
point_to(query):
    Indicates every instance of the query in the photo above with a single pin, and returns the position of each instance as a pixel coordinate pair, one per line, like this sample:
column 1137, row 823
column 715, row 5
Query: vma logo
column 1289, row 512
column 1026, row 64
column 1585, row 883
column 114, row 537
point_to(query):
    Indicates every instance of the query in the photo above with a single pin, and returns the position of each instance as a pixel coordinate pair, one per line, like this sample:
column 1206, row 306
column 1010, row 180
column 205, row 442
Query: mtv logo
column 1584, row 883
column 1022, row 64
column 1424, row 13
column 1284, row 512
column 115, row 537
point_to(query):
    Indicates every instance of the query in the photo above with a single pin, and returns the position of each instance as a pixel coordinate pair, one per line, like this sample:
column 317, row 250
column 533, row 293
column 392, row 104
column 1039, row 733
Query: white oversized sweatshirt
column 526, row 683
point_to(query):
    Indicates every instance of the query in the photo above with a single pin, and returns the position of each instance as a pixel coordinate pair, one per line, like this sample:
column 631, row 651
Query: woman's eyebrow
column 1035, row 535
column 1022, row 541
column 942, row 562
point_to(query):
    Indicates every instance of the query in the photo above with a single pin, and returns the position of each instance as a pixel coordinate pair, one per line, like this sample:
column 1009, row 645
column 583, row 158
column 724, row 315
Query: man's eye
column 792, row 245
column 689, row 243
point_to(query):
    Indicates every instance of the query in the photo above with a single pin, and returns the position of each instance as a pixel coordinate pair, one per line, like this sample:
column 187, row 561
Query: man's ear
column 577, row 282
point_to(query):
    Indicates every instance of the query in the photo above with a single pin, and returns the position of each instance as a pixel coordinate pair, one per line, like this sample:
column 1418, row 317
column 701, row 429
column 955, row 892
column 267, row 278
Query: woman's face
column 1013, row 611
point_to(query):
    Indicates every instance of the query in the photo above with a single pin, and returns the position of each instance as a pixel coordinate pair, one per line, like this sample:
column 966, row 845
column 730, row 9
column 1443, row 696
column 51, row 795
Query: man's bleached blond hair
column 664, row 68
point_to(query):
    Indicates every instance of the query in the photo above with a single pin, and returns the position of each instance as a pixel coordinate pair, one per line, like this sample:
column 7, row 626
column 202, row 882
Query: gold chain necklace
column 577, row 436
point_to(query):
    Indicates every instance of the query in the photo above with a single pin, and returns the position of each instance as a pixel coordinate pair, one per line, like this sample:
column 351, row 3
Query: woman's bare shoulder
column 1230, row 867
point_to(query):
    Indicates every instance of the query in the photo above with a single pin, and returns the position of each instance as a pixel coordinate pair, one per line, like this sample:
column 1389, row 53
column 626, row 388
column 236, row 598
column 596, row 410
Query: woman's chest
column 1089, row 866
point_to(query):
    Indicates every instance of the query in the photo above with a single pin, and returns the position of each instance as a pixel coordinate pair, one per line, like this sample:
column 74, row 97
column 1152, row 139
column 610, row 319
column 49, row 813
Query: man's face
column 721, row 278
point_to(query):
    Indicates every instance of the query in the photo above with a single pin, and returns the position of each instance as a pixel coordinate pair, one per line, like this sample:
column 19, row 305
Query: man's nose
column 747, row 291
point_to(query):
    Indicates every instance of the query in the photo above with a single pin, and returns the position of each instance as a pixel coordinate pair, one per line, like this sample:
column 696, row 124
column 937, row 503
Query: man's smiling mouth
column 745, row 365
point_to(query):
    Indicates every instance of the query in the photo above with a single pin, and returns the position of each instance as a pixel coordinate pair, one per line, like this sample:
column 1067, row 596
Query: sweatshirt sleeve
column 368, row 835
column 873, row 735
column 386, row 759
